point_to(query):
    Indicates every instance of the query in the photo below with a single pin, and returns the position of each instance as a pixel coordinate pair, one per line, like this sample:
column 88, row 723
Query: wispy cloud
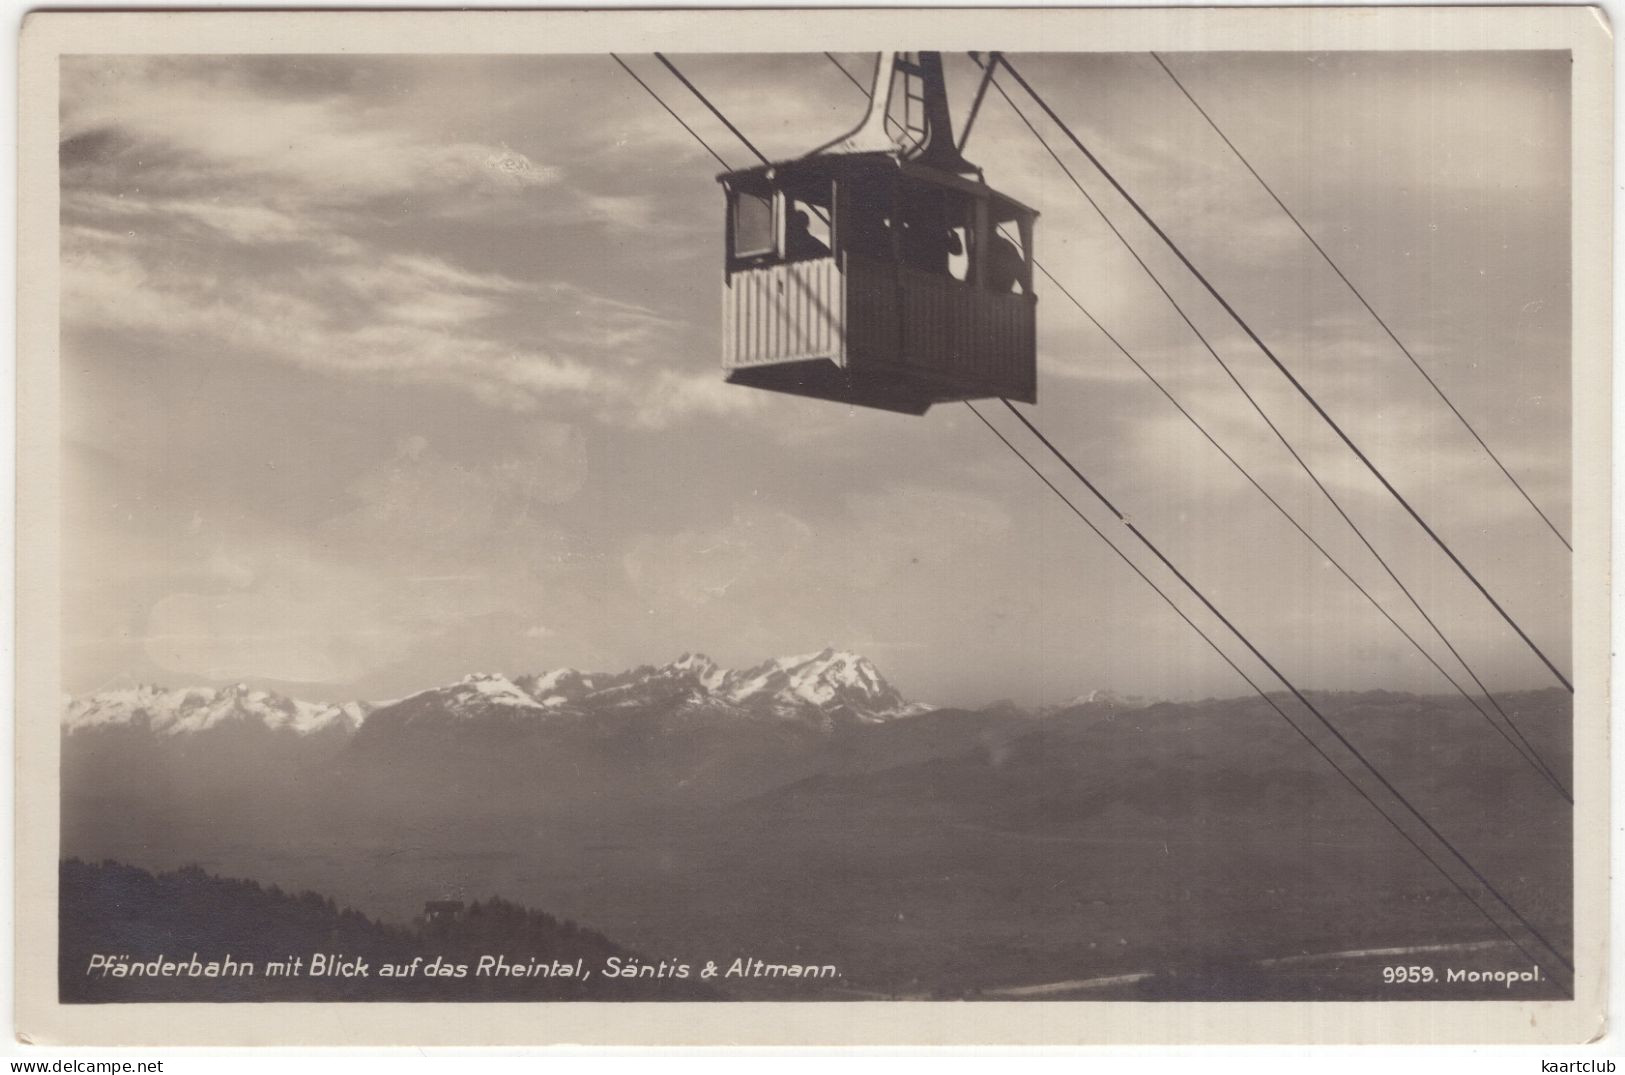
column 207, row 130
column 262, row 226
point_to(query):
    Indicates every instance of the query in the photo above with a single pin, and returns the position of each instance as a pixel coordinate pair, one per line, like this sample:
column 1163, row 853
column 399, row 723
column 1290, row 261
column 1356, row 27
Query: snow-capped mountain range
column 832, row 685
column 829, row 682
column 196, row 709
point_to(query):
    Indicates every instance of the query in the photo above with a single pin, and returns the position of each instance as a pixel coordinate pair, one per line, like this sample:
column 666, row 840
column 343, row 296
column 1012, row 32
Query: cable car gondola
column 880, row 270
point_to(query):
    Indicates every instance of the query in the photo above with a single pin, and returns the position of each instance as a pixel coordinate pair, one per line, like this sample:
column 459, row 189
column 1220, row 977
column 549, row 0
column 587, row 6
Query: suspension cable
column 1406, row 351
column 715, row 111
column 1316, row 747
column 1287, row 373
column 1527, row 751
column 1533, row 759
column 1296, row 693
column 891, row 124
column 1532, row 756
column 850, row 77
column 658, row 100
column 1304, row 701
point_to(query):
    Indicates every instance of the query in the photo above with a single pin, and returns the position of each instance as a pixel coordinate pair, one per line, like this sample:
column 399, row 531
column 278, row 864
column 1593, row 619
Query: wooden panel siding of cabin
column 1005, row 334
column 936, row 323
column 871, row 312
column 970, row 340
column 784, row 313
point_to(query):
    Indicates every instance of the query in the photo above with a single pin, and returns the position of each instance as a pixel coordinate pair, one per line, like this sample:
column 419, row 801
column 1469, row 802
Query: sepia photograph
column 701, row 517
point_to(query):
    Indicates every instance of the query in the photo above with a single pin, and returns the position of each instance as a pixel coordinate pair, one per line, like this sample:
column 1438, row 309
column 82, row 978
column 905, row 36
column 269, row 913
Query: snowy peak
column 475, row 693
column 196, row 709
column 558, row 688
column 698, row 663
column 701, row 668
column 1106, row 699
column 829, row 680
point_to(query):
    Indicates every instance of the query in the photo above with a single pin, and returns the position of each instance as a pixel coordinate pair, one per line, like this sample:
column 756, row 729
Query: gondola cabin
column 874, row 272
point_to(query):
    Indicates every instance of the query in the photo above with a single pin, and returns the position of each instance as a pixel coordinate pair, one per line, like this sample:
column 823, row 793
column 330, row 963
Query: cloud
column 516, row 169
column 410, row 319
column 422, row 510
column 205, row 210
column 301, row 623
column 702, row 567
column 246, row 222
column 427, row 545
column 768, row 553
column 210, row 131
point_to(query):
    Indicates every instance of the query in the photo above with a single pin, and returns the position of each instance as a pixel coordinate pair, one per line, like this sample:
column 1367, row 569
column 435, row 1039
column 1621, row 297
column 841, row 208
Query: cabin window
column 939, row 234
column 806, row 230
column 960, row 243
column 866, row 217
column 754, row 233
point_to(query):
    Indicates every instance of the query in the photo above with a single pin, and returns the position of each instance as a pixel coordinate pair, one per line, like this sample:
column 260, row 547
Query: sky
column 379, row 371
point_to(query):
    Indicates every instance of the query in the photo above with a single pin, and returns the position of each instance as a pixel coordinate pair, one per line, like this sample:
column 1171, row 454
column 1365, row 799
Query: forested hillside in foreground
column 193, row 919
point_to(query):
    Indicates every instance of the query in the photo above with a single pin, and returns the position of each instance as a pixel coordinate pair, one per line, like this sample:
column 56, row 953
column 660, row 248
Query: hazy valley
column 803, row 809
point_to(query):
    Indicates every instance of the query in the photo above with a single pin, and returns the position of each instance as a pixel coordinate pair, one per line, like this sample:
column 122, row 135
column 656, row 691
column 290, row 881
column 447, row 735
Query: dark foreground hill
column 127, row 935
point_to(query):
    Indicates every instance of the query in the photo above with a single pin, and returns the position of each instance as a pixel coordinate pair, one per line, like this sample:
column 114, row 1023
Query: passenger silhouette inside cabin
column 799, row 241
column 928, row 237
column 927, row 246
column 867, row 231
column 1005, row 265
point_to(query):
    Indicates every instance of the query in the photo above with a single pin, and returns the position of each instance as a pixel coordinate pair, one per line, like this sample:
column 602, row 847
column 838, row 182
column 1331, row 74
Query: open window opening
column 941, row 234
column 1007, row 261
column 961, row 252
column 808, row 231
